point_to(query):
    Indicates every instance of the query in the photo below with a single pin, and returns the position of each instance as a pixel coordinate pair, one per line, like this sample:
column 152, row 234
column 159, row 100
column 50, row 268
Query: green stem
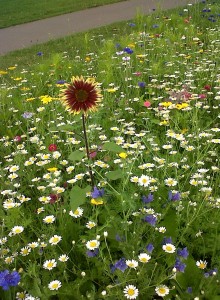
column 87, row 148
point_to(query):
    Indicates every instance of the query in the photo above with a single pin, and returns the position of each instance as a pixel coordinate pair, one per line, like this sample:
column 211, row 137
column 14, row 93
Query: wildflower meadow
column 110, row 164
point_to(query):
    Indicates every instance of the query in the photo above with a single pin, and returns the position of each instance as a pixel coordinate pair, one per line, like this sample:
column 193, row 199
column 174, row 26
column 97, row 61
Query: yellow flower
column 30, row 99
column 12, row 68
column 182, row 105
column 17, row 78
column 97, row 201
column 52, row 169
column 164, row 122
column 87, row 59
column 2, row 72
column 113, row 90
column 166, row 104
column 46, row 99
column 122, row 155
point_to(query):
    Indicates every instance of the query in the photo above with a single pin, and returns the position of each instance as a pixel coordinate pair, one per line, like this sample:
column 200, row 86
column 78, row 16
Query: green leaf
column 76, row 155
column 78, row 196
column 110, row 146
column 114, row 175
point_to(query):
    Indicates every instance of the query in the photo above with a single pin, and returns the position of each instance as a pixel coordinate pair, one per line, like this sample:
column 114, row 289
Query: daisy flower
column 169, row 248
column 54, row 240
column 63, row 258
column 49, row 219
column 201, row 264
column 131, row 292
column 77, row 213
column 144, row 257
column 54, row 285
column 144, row 180
column 50, row 264
column 162, row 290
column 92, row 244
column 132, row 263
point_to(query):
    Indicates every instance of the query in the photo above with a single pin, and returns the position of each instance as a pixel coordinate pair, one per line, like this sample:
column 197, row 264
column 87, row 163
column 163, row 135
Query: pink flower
column 202, row 96
column 147, row 104
column 92, row 154
column 17, row 138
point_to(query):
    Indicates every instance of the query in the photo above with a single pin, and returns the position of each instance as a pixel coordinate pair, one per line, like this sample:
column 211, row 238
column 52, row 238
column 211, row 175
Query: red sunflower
column 81, row 95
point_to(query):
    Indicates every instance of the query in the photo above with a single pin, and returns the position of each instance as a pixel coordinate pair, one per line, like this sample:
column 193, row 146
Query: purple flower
column 189, row 290
column 155, row 26
column 151, row 219
column 150, row 248
column 39, row 53
column 147, row 199
column 119, row 239
column 92, row 253
column 179, row 265
column 7, row 279
column 97, row 193
column 132, row 24
column 60, row 81
column 120, row 265
column 27, row 115
column 128, row 50
column 167, row 240
column 183, row 252
column 141, row 84
column 174, row 196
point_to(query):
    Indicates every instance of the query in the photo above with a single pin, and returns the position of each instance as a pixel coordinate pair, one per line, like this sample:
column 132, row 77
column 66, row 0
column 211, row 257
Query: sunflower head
column 81, row 95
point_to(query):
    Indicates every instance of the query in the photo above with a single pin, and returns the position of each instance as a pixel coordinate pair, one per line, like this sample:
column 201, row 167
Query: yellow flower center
column 55, row 286
column 162, row 290
column 130, row 292
column 50, row 264
column 92, row 244
column 81, row 95
column 169, row 248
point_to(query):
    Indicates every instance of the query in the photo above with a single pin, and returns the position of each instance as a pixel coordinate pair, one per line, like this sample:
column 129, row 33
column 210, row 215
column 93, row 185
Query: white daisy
column 162, row 290
column 92, row 244
column 169, row 248
column 54, row 285
column 50, row 264
column 130, row 292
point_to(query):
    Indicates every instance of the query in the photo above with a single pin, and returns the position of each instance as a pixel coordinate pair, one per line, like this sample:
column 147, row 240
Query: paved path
column 26, row 35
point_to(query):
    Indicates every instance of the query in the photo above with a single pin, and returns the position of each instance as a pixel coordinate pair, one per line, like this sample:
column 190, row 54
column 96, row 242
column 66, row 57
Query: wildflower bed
column 126, row 204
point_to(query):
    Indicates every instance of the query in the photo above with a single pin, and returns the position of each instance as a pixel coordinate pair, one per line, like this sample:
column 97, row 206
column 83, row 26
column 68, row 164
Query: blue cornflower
column 151, row 219
column 132, row 24
column 141, row 84
column 97, row 193
column 189, row 290
column 119, row 238
column 39, row 53
column 60, row 81
column 120, row 265
column 174, row 196
column 179, row 265
column 183, row 252
column 155, row 26
column 128, row 50
column 92, row 253
column 167, row 240
column 150, row 248
column 7, row 279
column 147, row 199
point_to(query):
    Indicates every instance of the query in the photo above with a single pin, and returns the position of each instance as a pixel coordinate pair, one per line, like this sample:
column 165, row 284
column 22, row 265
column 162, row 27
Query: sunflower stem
column 87, row 148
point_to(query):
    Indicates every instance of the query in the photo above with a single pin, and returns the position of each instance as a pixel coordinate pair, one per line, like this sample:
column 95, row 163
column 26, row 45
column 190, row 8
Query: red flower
column 207, row 87
column 52, row 147
column 81, row 95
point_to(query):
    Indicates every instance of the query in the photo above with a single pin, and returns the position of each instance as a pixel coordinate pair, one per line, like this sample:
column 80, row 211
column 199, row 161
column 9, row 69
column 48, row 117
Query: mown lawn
column 14, row 12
